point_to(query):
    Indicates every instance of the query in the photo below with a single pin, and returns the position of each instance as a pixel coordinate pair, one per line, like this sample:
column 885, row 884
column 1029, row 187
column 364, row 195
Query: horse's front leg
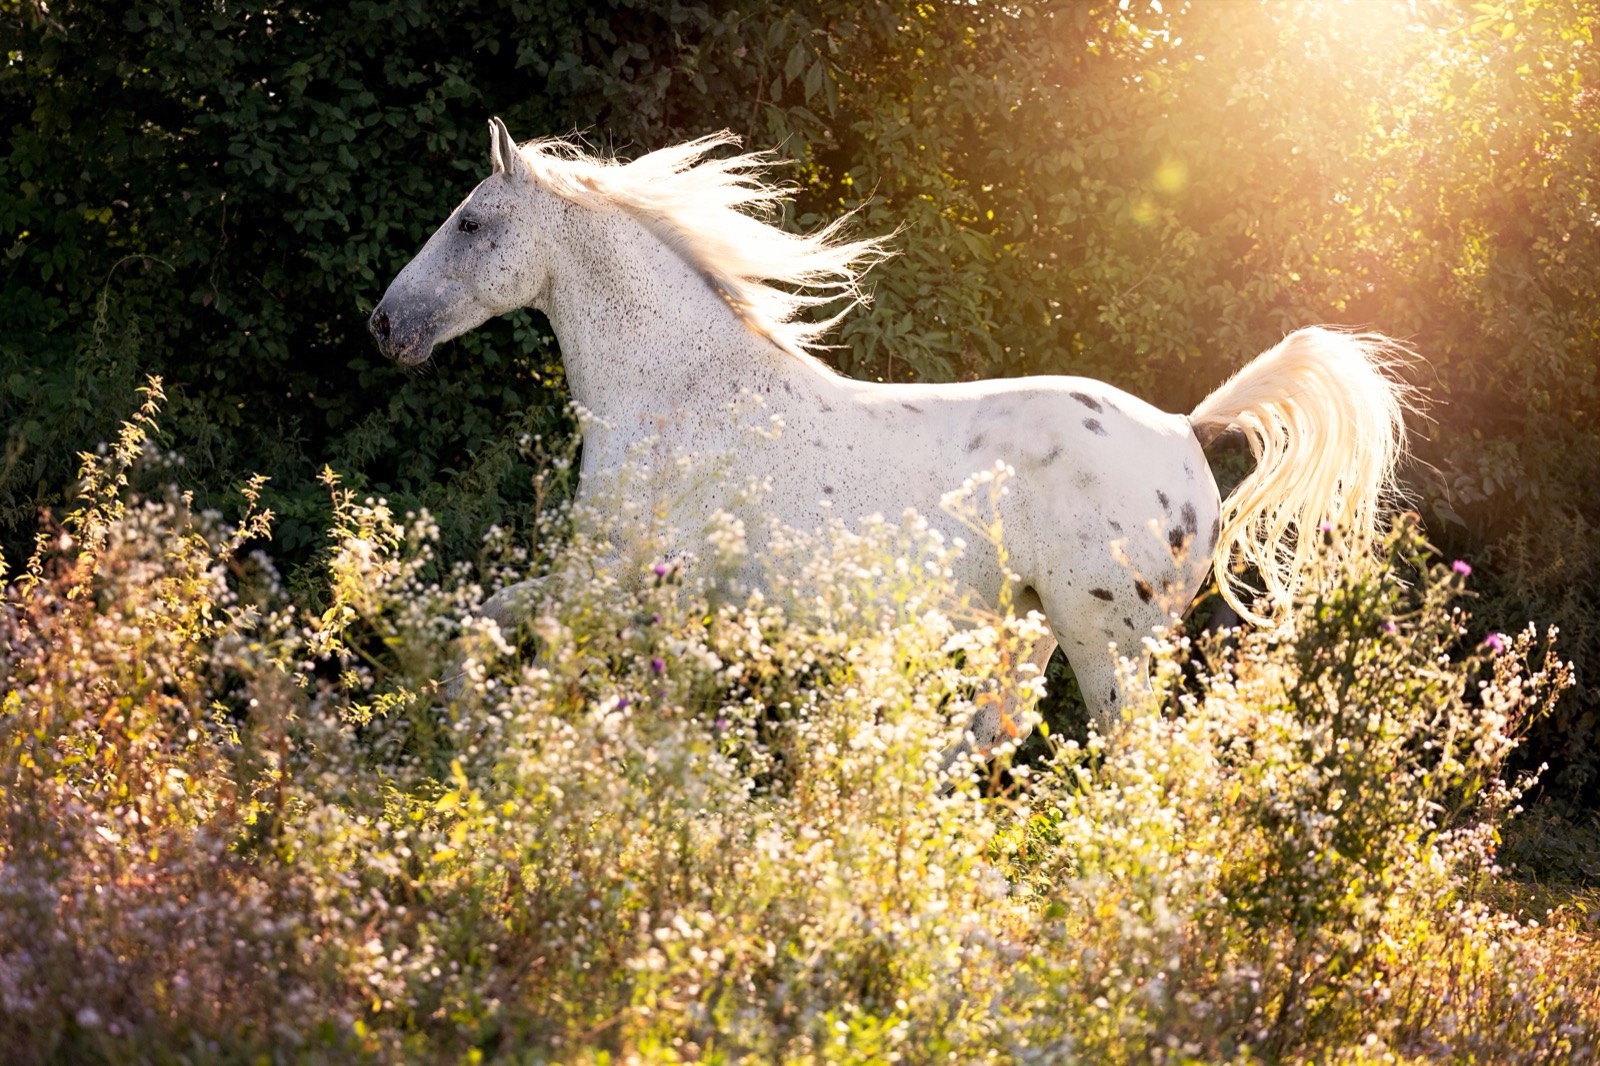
column 507, row 609
column 514, row 604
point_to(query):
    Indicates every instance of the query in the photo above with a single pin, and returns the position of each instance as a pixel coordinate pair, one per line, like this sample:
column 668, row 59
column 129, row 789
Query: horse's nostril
column 380, row 326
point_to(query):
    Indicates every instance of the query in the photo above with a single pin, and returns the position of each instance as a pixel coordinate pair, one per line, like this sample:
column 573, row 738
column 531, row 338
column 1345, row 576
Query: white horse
column 657, row 276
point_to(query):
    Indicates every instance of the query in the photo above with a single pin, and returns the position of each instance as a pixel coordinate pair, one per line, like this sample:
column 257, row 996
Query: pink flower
column 657, row 665
column 1462, row 567
column 1495, row 642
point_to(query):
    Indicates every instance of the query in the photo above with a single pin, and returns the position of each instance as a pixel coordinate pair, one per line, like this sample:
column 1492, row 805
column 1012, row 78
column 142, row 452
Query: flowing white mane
column 716, row 214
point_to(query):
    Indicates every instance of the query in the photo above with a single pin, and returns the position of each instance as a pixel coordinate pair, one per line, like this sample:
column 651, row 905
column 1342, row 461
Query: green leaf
column 796, row 62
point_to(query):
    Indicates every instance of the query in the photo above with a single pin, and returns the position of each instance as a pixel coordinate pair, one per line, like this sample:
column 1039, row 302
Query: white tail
column 1324, row 415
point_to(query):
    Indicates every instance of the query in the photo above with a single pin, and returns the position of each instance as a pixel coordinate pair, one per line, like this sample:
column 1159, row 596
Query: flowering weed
column 678, row 814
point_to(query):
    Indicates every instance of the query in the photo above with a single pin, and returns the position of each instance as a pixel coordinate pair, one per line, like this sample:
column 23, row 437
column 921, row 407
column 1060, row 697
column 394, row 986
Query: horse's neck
column 642, row 332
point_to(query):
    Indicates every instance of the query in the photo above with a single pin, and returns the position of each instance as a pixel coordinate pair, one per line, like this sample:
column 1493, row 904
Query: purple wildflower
column 660, row 569
column 1326, row 527
column 1389, row 627
column 1462, row 567
column 657, row 665
column 1495, row 642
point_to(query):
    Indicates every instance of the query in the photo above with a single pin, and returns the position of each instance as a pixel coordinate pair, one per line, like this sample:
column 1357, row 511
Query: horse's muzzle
column 396, row 343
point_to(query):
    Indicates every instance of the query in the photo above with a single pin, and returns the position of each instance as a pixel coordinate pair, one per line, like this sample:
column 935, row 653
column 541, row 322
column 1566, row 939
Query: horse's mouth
column 413, row 353
column 410, row 355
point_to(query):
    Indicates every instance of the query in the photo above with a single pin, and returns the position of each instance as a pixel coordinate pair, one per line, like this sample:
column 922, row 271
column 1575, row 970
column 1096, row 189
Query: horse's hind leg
column 1099, row 678
column 1096, row 633
column 999, row 718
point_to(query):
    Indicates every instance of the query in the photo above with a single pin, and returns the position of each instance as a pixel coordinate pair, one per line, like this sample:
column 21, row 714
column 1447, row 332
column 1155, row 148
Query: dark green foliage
column 220, row 192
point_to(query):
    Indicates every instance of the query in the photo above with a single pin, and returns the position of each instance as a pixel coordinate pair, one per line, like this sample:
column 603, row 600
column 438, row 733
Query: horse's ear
column 503, row 153
column 495, row 125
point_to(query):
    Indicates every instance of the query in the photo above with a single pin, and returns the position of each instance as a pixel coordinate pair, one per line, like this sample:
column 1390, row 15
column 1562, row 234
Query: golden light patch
column 1172, row 176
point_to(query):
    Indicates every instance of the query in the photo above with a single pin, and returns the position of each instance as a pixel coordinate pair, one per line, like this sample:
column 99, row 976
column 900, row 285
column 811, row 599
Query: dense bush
column 1144, row 193
column 705, row 823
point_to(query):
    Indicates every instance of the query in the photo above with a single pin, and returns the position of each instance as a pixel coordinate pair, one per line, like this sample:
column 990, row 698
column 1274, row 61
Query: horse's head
column 484, row 261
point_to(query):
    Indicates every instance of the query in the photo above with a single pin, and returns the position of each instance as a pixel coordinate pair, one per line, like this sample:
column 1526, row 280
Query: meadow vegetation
column 272, row 786
column 674, row 818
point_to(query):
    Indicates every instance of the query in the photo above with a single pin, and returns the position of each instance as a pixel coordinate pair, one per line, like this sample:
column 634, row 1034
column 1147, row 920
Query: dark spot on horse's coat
column 1084, row 480
column 1188, row 470
column 1102, row 594
column 825, row 408
column 1094, row 426
column 1191, row 524
column 817, row 443
column 1176, row 538
column 827, row 490
column 1052, row 456
column 1143, row 588
column 1127, row 621
column 1112, row 699
column 788, row 389
column 913, row 408
column 1116, row 527
column 1088, row 401
column 975, row 443
column 1216, row 531
column 1166, row 504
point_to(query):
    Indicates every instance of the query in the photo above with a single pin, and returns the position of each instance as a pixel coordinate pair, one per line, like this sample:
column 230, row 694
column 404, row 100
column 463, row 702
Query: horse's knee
column 507, row 609
column 513, row 604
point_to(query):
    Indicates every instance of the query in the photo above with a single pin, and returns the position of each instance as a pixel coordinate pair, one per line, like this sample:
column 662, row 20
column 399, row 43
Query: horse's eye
column 469, row 225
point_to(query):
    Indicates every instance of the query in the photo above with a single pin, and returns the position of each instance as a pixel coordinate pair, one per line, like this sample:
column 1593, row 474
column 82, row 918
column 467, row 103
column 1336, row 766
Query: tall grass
column 674, row 818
